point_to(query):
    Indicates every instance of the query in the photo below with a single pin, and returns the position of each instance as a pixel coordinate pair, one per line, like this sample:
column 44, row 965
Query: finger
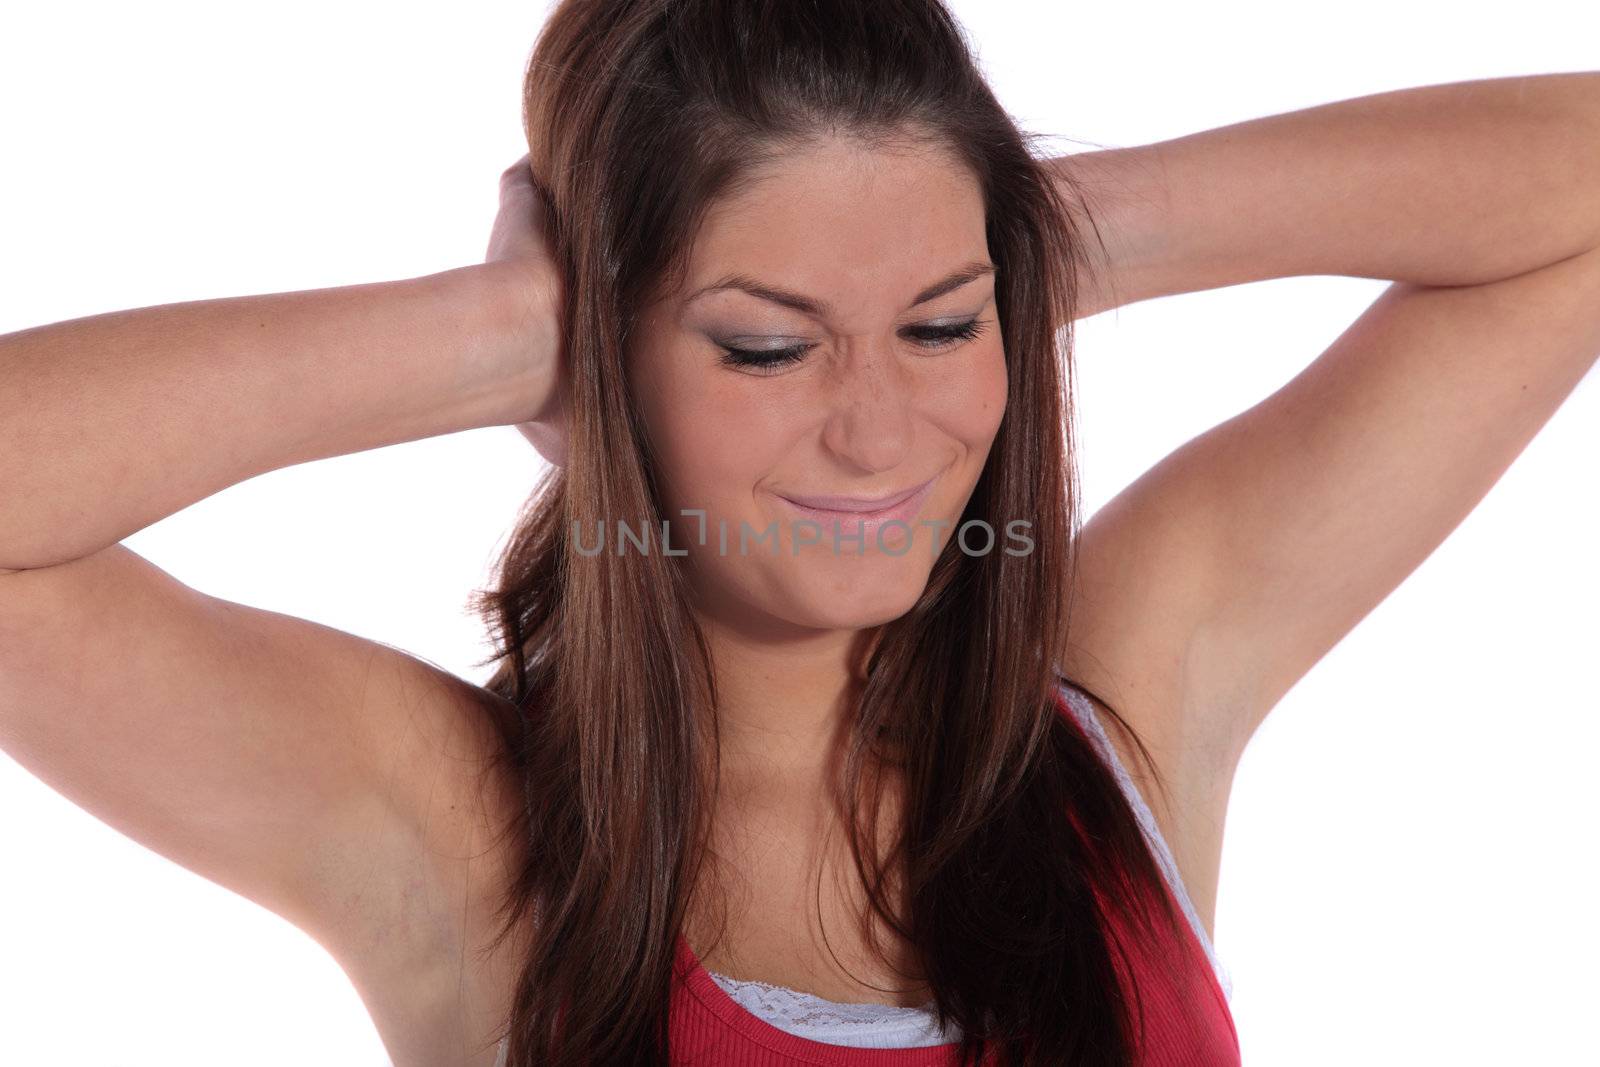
column 523, row 165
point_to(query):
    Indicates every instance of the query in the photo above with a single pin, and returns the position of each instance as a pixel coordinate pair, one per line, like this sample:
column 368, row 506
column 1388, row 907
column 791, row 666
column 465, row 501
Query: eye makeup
column 766, row 360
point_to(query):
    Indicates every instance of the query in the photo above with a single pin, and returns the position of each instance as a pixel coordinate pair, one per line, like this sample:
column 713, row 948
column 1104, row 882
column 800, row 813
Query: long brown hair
column 639, row 114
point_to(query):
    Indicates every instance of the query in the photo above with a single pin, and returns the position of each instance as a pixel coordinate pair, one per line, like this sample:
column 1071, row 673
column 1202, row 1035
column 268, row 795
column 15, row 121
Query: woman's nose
column 872, row 400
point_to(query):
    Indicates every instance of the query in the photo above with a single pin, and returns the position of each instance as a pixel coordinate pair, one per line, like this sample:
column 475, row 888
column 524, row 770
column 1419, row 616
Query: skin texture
column 519, row 242
column 868, row 410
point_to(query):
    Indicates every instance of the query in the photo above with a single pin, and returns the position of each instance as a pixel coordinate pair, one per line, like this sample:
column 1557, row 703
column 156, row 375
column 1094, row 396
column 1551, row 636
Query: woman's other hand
column 520, row 239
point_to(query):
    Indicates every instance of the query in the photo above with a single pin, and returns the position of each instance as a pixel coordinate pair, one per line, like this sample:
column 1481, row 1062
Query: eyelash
column 775, row 358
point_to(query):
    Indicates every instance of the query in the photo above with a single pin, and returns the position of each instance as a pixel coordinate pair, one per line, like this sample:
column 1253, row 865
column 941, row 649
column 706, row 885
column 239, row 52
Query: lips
column 853, row 505
column 863, row 519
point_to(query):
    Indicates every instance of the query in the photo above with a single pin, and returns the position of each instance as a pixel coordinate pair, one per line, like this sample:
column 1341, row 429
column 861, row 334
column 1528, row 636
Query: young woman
column 821, row 731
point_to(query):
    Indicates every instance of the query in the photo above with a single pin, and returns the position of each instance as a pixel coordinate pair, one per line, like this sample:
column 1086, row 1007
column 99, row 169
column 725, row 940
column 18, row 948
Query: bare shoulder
column 1139, row 638
column 450, row 803
column 1215, row 581
column 335, row 780
column 415, row 934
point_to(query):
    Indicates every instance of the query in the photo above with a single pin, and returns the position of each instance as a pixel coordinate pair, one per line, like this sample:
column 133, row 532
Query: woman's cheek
column 718, row 452
column 984, row 397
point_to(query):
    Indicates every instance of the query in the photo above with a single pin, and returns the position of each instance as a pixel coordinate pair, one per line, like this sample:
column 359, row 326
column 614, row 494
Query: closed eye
column 930, row 337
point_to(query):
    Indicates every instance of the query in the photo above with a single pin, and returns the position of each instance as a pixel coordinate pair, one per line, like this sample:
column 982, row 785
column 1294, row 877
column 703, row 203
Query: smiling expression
column 836, row 336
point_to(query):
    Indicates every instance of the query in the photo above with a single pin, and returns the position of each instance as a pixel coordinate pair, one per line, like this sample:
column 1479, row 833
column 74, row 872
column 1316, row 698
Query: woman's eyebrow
column 819, row 309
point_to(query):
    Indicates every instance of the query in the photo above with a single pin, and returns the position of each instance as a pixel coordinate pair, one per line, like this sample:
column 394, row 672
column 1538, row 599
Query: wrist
column 1129, row 210
column 512, row 372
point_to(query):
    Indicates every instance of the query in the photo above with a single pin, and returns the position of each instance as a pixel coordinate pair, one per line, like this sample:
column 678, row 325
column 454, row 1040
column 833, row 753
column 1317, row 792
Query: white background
column 1407, row 870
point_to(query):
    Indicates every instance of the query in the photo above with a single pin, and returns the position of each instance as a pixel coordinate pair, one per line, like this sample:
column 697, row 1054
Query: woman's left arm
column 1267, row 538
column 1442, row 185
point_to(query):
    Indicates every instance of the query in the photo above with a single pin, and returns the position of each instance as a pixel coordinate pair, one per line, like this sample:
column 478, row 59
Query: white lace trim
column 857, row 1025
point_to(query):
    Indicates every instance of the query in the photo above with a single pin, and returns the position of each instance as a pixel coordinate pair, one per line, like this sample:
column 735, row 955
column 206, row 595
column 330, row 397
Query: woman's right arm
column 317, row 773
column 112, row 422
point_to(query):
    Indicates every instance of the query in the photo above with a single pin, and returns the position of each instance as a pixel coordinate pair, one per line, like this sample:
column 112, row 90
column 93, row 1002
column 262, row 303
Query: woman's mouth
column 858, row 517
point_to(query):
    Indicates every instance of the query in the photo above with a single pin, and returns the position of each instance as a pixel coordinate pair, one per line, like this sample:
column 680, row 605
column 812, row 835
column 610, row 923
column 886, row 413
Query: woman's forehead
column 836, row 226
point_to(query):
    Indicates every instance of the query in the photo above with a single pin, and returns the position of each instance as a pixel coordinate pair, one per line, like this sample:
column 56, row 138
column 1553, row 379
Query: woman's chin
column 871, row 596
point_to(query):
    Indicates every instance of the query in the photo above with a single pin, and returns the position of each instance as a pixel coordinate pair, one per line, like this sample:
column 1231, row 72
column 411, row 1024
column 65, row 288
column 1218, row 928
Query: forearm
column 111, row 422
column 1452, row 184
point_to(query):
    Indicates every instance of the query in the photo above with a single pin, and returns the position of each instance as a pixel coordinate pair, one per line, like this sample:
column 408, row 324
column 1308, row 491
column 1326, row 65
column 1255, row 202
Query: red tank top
column 1187, row 1020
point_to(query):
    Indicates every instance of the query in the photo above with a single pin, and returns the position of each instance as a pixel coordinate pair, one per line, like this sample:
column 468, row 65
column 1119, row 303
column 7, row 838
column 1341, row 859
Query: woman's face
column 872, row 391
